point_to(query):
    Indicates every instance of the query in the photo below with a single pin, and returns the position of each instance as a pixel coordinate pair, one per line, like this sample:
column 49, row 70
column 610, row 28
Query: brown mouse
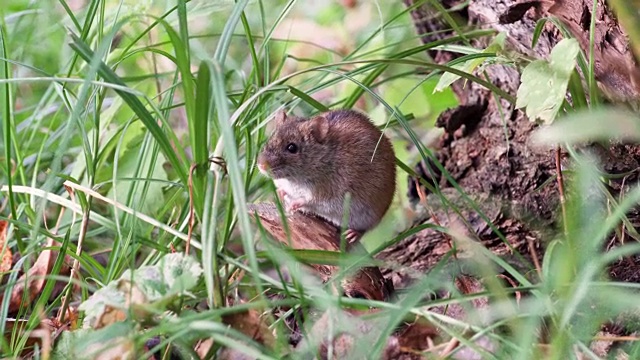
column 315, row 162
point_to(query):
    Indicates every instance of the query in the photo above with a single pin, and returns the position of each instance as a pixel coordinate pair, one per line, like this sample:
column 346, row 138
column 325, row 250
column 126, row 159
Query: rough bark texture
column 311, row 233
column 486, row 146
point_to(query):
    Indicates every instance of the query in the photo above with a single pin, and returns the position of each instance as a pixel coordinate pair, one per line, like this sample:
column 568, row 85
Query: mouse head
column 299, row 149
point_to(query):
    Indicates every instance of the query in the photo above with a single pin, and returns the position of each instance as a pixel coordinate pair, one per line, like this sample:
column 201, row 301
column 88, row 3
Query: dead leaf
column 33, row 281
column 203, row 347
column 44, row 335
column 232, row 354
column 134, row 300
column 251, row 324
column 5, row 253
column 417, row 336
column 110, row 315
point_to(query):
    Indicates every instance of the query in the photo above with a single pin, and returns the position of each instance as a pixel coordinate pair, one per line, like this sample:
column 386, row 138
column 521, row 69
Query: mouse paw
column 352, row 236
column 281, row 194
column 294, row 205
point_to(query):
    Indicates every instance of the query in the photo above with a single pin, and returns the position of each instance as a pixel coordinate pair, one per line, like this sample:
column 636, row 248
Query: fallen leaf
column 43, row 335
column 251, row 324
column 5, row 253
column 417, row 336
column 203, row 347
column 34, row 280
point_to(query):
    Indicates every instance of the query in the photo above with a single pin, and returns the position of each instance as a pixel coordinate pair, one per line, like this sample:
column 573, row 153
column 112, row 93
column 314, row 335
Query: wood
column 312, row 233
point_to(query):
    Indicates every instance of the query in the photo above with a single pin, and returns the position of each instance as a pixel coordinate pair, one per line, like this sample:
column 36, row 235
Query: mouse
column 315, row 162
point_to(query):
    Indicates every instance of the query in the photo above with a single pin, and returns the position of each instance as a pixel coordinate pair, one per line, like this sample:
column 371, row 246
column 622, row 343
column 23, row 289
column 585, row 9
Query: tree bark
column 306, row 232
column 485, row 146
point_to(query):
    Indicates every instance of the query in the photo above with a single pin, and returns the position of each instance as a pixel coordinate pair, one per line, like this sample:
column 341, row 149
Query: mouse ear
column 319, row 128
column 281, row 117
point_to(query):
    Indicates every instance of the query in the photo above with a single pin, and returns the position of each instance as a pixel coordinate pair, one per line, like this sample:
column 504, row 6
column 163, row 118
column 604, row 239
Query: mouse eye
column 292, row 148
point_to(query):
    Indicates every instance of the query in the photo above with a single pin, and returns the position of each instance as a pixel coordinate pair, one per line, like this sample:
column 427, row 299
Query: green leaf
column 201, row 120
column 66, row 344
column 449, row 78
column 469, row 66
column 378, row 69
column 544, row 83
column 85, row 52
column 417, row 102
column 111, row 342
column 180, row 273
column 538, row 31
column 308, row 99
column 174, row 274
column 588, row 126
column 134, row 168
column 96, row 305
column 7, row 130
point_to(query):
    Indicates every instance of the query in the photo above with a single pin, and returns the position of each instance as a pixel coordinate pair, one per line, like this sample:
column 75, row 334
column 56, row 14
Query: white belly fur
column 295, row 191
column 331, row 211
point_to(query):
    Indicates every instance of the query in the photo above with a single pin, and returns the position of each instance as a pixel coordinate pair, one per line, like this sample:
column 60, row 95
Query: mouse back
column 366, row 163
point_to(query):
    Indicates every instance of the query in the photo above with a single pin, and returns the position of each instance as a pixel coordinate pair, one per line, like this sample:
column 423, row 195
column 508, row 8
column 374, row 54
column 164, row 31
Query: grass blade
column 135, row 104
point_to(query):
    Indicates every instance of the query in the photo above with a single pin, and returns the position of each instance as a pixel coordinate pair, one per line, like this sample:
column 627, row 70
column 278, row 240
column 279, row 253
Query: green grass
column 130, row 103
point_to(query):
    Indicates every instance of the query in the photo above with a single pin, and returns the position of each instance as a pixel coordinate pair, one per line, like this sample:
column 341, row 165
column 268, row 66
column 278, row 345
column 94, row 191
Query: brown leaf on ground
column 203, row 347
column 418, row 336
column 251, row 324
column 312, row 233
column 135, row 304
column 5, row 253
column 233, row 354
column 43, row 335
column 34, row 280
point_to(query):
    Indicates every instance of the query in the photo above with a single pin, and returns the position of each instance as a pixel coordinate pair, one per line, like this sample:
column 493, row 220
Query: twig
column 449, row 348
column 616, row 338
column 534, row 256
column 513, row 285
column 220, row 161
column 76, row 262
